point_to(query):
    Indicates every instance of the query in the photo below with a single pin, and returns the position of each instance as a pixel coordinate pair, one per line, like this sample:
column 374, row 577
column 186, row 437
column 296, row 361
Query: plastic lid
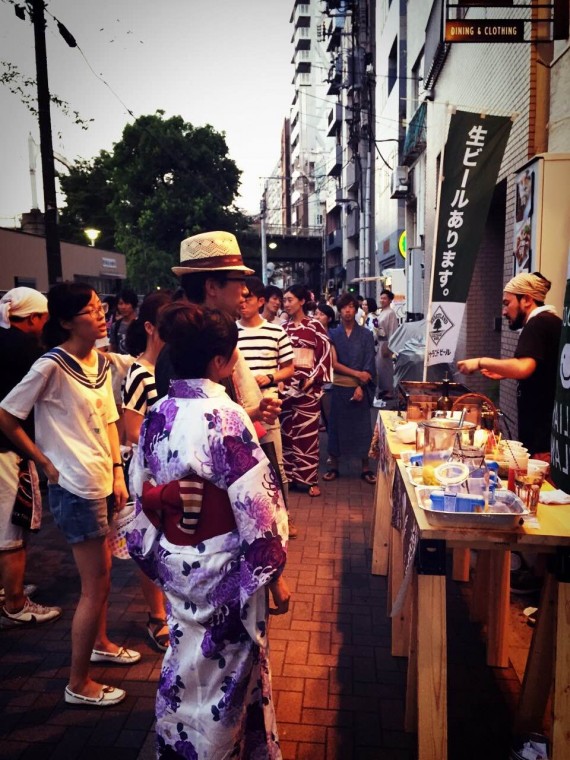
column 451, row 473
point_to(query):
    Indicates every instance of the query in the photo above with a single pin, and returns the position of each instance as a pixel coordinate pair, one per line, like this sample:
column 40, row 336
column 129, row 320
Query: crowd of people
column 203, row 408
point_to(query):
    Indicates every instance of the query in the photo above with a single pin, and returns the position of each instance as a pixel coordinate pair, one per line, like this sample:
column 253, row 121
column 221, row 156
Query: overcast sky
column 222, row 62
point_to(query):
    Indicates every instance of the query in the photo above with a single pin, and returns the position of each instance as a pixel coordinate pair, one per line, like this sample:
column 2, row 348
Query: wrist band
column 118, row 464
column 479, row 363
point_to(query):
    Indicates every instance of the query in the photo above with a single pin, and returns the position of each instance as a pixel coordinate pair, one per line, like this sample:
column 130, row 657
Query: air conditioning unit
column 399, row 183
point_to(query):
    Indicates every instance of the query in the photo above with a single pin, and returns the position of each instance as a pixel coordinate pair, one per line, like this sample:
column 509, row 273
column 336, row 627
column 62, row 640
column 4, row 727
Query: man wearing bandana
column 23, row 313
column 535, row 362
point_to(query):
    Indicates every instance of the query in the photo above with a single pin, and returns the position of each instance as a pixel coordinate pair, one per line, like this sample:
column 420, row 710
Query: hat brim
column 179, row 271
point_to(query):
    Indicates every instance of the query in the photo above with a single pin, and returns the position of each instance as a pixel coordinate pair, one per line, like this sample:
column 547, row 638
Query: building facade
column 525, row 81
column 23, row 262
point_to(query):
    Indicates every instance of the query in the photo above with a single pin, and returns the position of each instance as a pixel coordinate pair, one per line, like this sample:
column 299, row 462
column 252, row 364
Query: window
column 393, row 66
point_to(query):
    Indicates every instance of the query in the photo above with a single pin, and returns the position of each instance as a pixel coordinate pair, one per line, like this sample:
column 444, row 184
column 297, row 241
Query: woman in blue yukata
column 218, row 567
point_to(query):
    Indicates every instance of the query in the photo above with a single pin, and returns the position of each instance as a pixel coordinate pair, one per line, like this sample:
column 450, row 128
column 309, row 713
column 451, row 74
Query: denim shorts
column 79, row 519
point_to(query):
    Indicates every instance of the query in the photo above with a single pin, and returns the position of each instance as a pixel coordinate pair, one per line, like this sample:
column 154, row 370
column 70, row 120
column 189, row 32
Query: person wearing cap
column 212, row 274
column 23, row 313
column 535, row 361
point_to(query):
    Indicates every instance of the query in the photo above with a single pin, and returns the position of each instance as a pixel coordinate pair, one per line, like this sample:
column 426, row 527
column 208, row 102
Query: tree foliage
column 164, row 180
column 25, row 88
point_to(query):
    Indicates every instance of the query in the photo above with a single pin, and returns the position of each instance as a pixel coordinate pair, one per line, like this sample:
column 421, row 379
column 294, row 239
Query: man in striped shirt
column 268, row 353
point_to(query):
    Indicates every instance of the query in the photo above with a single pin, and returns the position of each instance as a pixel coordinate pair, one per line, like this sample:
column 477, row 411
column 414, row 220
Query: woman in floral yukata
column 214, row 697
column 302, row 394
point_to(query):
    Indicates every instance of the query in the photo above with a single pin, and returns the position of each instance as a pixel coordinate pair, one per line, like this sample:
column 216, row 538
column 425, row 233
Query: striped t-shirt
column 265, row 348
column 139, row 390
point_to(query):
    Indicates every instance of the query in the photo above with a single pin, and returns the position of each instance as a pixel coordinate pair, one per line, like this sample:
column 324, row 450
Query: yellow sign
column 402, row 244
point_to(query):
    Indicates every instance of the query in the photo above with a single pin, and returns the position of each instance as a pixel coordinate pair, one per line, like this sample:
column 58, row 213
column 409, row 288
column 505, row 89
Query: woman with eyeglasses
column 77, row 446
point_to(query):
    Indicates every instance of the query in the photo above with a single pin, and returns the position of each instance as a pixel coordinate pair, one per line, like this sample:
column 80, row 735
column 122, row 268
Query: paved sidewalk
column 338, row 691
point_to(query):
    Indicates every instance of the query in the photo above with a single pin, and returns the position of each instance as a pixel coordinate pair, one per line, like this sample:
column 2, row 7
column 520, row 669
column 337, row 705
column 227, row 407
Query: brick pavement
column 338, row 691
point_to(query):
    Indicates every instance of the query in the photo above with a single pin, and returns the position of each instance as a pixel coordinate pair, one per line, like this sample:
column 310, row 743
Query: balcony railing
column 334, row 240
column 416, row 136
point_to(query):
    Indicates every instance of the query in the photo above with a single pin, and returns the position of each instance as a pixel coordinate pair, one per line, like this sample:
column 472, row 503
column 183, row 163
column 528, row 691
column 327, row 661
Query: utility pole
column 263, row 239
column 48, row 171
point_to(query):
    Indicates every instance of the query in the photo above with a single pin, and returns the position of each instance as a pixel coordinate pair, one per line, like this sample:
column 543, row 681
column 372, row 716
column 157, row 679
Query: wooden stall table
column 423, row 552
column 387, row 448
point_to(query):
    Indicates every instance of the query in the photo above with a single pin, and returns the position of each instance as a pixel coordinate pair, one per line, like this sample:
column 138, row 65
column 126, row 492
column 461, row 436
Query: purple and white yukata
column 214, row 696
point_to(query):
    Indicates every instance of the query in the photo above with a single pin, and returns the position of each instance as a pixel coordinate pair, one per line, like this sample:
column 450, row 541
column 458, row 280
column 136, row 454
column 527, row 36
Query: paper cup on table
column 537, row 465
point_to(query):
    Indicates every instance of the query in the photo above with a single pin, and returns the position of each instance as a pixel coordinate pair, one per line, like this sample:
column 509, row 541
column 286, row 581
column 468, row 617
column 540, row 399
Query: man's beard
column 518, row 322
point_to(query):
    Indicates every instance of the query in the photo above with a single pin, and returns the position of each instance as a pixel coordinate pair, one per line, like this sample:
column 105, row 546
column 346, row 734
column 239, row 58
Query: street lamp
column 92, row 234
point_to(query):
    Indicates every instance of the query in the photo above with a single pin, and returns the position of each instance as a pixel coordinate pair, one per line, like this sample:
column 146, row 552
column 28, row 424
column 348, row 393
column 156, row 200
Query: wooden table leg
column 401, row 620
column 411, row 709
column 382, row 521
column 561, row 701
column 539, row 670
column 460, row 570
column 499, row 608
column 432, row 668
column 480, row 595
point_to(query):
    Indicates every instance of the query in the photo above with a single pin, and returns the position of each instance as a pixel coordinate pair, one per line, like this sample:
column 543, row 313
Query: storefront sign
column 484, row 30
column 108, row 263
column 472, row 158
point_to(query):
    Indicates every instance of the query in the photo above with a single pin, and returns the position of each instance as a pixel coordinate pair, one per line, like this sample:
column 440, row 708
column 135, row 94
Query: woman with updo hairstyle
column 211, row 529
column 302, row 392
column 77, row 446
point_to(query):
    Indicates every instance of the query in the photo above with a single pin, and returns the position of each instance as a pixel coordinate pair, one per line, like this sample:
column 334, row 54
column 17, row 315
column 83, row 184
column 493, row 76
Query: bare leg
column 153, row 596
column 89, row 622
column 12, row 568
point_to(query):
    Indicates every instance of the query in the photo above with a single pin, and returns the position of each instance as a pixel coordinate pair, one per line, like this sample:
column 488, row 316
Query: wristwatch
column 271, row 379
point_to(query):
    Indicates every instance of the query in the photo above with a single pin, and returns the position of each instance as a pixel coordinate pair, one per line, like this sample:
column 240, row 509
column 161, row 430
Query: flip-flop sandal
column 331, row 474
column 368, row 476
column 311, row 492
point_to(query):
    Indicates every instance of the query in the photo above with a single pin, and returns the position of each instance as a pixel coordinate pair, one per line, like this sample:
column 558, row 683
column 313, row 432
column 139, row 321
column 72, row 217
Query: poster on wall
column 525, row 185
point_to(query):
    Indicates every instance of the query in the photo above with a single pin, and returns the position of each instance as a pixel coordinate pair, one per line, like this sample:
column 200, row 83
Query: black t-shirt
column 19, row 350
column 539, row 340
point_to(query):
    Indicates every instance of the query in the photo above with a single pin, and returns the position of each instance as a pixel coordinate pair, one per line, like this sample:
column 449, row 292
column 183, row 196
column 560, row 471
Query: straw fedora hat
column 210, row 252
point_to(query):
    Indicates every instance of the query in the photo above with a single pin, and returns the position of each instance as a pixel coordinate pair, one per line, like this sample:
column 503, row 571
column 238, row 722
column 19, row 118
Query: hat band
column 213, row 261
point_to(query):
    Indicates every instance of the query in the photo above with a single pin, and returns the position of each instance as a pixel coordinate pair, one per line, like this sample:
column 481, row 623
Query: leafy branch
column 25, row 87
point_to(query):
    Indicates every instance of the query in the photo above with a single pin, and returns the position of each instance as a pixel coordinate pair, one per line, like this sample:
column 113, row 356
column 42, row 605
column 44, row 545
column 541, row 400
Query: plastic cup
column 517, row 461
column 527, row 488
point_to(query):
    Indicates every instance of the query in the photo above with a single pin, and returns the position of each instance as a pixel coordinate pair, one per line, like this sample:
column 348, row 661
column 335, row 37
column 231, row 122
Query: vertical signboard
column 472, row 158
column 560, row 439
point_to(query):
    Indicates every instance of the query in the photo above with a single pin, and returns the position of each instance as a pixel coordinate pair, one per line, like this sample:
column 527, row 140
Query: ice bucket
column 446, row 439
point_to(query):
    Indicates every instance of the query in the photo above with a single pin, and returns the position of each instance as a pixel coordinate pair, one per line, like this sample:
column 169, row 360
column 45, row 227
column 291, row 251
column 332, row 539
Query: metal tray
column 511, row 517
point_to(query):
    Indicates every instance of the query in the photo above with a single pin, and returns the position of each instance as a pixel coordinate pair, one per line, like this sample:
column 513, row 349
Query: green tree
column 164, row 180
column 89, row 192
